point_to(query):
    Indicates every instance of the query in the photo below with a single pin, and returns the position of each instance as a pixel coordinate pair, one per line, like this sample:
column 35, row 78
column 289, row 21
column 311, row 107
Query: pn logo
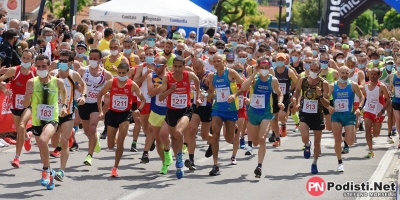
column 316, row 186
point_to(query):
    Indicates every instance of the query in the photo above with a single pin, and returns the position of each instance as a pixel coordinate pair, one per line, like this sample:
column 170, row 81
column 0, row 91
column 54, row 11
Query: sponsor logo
column 128, row 17
column 339, row 9
column 157, row 19
column 106, row 13
column 176, row 20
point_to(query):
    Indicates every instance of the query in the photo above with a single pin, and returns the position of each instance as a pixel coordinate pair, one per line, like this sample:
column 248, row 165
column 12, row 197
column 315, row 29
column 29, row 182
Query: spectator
column 7, row 51
column 105, row 42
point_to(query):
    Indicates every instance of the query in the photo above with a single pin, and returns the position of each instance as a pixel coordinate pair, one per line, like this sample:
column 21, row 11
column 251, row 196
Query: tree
column 308, row 10
column 380, row 10
column 49, row 5
column 391, row 19
column 234, row 10
column 364, row 22
column 61, row 8
column 259, row 20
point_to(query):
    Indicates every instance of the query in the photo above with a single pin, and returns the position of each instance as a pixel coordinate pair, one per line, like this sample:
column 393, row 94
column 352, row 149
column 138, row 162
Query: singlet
column 131, row 59
column 94, row 85
column 299, row 69
column 329, row 76
column 70, row 88
column 180, row 98
column 223, row 89
column 209, row 67
column 343, row 98
column 241, row 97
column 134, row 99
column 143, row 87
column 261, row 96
column 310, row 103
column 385, row 76
column 18, row 87
column 121, row 98
column 108, row 65
column 157, row 106
column 284, row 80
column 44, row 102
column 204, row 88
column 396, row 88
column 380, row 65
column 354, row 78
column 170, row 60
column 374, row 103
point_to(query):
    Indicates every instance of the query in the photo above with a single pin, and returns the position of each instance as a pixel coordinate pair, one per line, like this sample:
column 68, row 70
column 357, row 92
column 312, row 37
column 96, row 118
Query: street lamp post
column 280, row 14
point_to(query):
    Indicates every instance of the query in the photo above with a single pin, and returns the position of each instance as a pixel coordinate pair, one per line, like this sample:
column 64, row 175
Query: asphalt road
column 285, row 172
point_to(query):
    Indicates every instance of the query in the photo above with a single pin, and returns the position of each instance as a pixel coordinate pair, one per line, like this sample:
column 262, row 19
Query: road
column 285, row 172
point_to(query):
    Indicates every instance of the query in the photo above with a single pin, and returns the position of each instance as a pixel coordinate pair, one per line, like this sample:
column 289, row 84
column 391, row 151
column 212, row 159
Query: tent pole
column 197, row 35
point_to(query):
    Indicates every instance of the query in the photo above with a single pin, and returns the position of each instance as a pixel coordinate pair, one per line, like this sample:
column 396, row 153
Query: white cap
column 297, row 47
column 351, row 43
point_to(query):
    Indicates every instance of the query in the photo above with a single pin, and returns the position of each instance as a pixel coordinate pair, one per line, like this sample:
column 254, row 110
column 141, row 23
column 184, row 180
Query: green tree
column 259, row 20
column 391, row 19
column 263, row 2
column 380, row 10
column 61, row 8
column 234, row 10
column 364, row 22
column 308, row 10
column 49, row 5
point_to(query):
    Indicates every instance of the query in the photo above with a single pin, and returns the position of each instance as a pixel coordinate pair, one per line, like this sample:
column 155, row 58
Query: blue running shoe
column 179, row 161
column 314, row 169
column 51, row 184
column 45, row 177
column 307, row 151
column 242, row 143
column 179, row 173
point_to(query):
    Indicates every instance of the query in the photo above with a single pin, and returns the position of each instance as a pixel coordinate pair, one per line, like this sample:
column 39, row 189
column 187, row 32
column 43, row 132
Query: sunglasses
column 238, row 70
column 211, row 53
column 62, row 61
column 323, row 61
column 159, row 65
column 193, row 37
column 151, row 39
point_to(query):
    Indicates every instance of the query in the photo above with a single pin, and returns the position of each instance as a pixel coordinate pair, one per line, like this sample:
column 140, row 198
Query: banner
column 6, row 117
column 288, row 14
column 13, row 7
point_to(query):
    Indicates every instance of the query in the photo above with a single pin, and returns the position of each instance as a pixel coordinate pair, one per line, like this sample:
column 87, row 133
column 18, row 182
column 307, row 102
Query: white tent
column 160, row 12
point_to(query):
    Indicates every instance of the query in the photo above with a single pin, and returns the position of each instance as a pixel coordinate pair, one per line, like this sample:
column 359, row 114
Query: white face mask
column 313, row 75
column 114, row 52
column 42, row 73
column 340, row 61
column 264, row 72
column 122, row 78
column 93, row 63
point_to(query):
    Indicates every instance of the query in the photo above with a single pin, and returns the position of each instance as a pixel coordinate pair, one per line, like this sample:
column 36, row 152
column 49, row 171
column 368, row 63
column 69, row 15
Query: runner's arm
column 297, row 91
column 82, row 83
column 124, row 60
column 164, row 89
column 235, row 76
column 135, row 89
column 275, row 88
column 391, row 86
column 10, row 73
column 325, row 94
column 358, row 92
column 249, row 82
column 211, row 89
column 139, row 78
column 196, row 81
column 385, row 92
column 102, row 92
column 62, row 91
column 153, row 91
column 108, row 75
column 335, row 75
column 361, row 80
column 293, row 76
column 28, row 93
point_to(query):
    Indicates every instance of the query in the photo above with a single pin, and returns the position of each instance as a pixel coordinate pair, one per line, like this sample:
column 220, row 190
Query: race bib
column 310, row 106
column 341, row 105
column 120, row 102
column 45, row 112
column 372, row 106
column 257, row 101
column 397, row 91
column 223, row 94
column 282, row 87
column 92, row 96
column 241, row 101
column 179, row 100
column 161, row 103
column 19, row 98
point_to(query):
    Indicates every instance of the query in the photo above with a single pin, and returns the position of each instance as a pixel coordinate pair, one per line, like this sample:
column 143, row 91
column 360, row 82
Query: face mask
column 229, row 65
column 210, row 57
column 398, row 69
column 189, row 62
column 360, row 66
column 215, row 40
column 234, row 44
column 93, row 63
column 351, row 70
column 198, row 55
column 294, row 58
column 122, row 78
column 178, row 52
column 151, row 43
column 375, row 62
column 80, row 55
column 17, row 42
column 314, row 52
column 313, row 75
column 42, row 73
column 73, row 32
column 274, row 65
column 114, row 52
column 290, row 50
column 63, row 66
column 381, row 57
column 388, row 50
column 307, row 66
column 26, row 65
column 127, row 51
column 341, row 80
column 389, row 67
column 220, row 51
column 91, row 41
column 70, row 43
column 280, row 63
column 149, row 59
column 48, row 38
column 240, row 74
column 249, row 56
column 242, row 60
column 264, row 72
column 340, row 61
column 324, row 66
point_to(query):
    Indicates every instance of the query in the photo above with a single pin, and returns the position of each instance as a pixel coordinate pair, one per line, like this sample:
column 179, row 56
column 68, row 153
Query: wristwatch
column 383, row 111
column 84, row 95
column 360, row 108
column 65, row 105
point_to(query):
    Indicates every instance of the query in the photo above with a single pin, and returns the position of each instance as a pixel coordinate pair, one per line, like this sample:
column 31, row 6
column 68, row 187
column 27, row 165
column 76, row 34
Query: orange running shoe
column 283, row 132
column 15, row 163
column 71, row 139
column 114, row 172
column 277, row 143
column 27, row 142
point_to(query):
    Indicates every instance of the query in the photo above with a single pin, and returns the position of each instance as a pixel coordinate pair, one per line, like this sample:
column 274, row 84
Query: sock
column 315, row 161
column 90, row 155
column 145, row 152
column 345, row 145
column 250, row 143
column 295, row 118
column 343, row 134
column 58, row 148
column 166, row 150
column 393, row 128
column 191, row 158
column 134, row 142
column 16, row 156
column 340, row 161
column 278, row 138
column 259, row 165
column 233, row 157
column 185, row 144
column 45, row 168
column 308, row 144
column 76, row 129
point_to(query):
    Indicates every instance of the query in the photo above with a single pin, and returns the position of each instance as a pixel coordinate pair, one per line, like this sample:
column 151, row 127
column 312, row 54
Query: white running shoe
column 248, row 151
column 390, row 140
column 4, row 143
column 340, row 168
column 233, row 161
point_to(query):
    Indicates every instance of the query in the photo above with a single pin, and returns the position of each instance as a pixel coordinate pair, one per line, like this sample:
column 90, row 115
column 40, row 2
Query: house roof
column 269, row 11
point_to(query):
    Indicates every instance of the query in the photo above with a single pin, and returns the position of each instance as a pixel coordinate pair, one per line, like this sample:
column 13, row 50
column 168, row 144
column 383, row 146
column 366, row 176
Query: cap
column 230, row 55
column 339, row 53
column 351, row 43
column 374, row 53
column 137, row 30
column 81, row 44
column 297, row 47
column 345, row 46
column 388, row 59
column 282, row 55
column 322, row 48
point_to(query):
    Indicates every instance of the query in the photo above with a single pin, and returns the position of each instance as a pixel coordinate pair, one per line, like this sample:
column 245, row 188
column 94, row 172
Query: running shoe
column 214, row 171
column 51, row 185
column 370, row 154
column 296, row 129
column 60, row 175
column 248, row 151
column 164, row 169
column 145, row 158
column 45, row 177
column 345, row 150
column 304, row 146
column 272, row 137
column 179, row 161
column 15, row 163
column 233, row 161
column 314, row 169
column 103, row 135
column 153, row 145
column 88, row 160
column 189, row 164
column 3, row 143
column 361, row 127
column 75, row 147
column 179, row 173
column 71, row 139
column 184, row 149
column 257, row 172
column 283, row 131
column 133, row 147
column 27, row 142
column 277, row 143
column 56, row 153
column 390, row 140
column 394, row 132
column 208, row 152
column 167, row 158
column 242, row 143
column 307, row 151
column 97, row 149
column 9, row 140
column 114, row 172
column 340, row 168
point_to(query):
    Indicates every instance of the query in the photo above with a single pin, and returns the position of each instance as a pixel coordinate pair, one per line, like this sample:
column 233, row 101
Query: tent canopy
column 160, row 12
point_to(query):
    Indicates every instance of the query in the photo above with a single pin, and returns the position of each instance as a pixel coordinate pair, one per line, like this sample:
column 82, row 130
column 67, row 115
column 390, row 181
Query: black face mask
column 91, row 41
column 177, row 52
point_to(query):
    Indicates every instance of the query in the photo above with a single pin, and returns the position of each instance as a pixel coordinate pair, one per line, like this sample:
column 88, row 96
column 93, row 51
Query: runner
column 375, row 107
column 260, row 111
column 314, row 96
column 95, row 77
column 119, row 114
column 343, row 112
column 21, row 115
column 65, row 124
column 225, row 108
column 395, row 90
column 42, row 94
